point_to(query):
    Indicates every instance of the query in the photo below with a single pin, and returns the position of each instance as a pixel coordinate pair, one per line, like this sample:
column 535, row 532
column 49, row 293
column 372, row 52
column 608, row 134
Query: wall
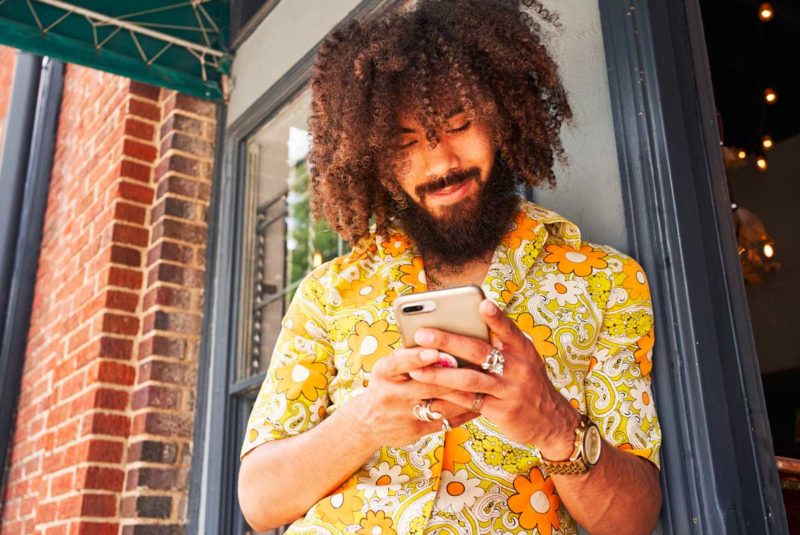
column 290, row 30
column 102, row 437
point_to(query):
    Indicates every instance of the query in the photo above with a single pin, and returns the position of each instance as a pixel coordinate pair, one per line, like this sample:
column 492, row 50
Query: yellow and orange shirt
column 587, row 309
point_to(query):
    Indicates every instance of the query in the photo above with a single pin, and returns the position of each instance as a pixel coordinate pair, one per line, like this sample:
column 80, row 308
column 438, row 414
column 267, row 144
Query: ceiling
column 746, row 56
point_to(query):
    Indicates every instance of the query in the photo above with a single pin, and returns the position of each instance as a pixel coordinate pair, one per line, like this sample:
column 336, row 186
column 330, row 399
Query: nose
column 441, row 159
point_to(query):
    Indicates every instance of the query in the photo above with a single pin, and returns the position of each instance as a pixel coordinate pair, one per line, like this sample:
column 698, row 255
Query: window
column 280, row 245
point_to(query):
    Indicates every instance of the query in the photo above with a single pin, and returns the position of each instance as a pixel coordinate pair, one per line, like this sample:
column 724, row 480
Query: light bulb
column 765, row 12
column 742, row 155
column 769, row 251
column 316, row 260
column 766, row 142
column 770, row 96
column 761, row 162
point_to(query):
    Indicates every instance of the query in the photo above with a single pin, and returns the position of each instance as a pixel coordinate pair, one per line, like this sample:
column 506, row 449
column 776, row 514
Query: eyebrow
column 449, row 116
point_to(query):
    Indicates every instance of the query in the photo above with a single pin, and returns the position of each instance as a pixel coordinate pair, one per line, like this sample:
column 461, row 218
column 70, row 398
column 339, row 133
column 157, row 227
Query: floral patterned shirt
column 588, row 312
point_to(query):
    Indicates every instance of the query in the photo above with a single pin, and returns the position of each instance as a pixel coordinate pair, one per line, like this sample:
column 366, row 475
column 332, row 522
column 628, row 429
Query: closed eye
column 460, row 128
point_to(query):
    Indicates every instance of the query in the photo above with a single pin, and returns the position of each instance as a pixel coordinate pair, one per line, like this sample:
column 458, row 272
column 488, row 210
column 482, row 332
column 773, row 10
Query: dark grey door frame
column 718, row 472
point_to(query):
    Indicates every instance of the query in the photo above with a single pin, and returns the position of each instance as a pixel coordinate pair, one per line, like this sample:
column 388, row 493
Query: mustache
column 450, row 179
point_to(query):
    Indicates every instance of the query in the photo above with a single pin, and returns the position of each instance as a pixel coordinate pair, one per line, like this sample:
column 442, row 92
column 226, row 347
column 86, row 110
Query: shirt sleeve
column 294, row 395
column 618, row 391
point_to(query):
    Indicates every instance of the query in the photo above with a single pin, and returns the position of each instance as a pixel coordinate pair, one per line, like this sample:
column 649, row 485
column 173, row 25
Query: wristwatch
column 588, row 444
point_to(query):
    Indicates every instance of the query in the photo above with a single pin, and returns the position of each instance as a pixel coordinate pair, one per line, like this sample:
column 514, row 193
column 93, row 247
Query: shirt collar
column 534, row 227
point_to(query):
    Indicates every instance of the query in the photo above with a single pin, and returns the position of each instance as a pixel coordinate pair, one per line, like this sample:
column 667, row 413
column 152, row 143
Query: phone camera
column 412, row 308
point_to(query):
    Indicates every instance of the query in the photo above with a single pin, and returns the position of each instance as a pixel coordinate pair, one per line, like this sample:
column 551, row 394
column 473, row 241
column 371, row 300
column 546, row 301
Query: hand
column 391, row 395
column 522, row 402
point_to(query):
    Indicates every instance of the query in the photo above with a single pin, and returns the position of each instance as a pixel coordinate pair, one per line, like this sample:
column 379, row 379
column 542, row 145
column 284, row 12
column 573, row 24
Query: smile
column 451, row 194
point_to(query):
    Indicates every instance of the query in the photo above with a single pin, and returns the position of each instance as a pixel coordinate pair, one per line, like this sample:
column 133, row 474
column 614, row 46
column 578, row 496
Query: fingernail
column 446, row 361
column 429, row 355
column 423, row 337
column 490, row 308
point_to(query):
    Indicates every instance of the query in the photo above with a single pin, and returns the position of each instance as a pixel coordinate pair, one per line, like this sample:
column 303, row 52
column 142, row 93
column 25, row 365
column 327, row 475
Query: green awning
column 178, row 44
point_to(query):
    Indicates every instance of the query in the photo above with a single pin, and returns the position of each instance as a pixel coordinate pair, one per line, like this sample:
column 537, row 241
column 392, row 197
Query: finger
column 449, row 410
column 472, row 350
column 459, row 379
column 502, row 327
column 466, row 400
column 456, row 421
column 417, row 391
column 403, row 360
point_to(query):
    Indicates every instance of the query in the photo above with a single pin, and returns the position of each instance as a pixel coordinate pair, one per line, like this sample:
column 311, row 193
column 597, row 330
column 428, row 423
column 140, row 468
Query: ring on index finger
column 423, row 412
column 493, row 362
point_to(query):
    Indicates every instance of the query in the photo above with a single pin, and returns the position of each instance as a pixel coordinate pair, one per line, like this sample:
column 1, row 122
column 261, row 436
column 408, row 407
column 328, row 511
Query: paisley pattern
column 587, row 310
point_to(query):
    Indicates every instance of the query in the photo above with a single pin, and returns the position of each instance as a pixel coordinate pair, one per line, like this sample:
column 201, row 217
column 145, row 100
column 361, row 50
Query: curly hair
column 483, row 57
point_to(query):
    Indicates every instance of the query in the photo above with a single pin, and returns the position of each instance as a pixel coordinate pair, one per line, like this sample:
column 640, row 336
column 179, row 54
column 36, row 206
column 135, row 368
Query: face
column 460, row 196
column 448, row 178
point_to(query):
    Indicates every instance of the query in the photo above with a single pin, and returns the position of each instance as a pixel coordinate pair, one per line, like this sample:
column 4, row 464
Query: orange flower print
column 395, row 245
column 458, row 491
column 536, row 502
column 376, row 524
column 635, row 280
column 507, row 294
column 645, row 452
column 579, row 261
column 369, row 343
column 453, row 450
column 413, row 274
column 538, row 334
column 524, row 228
column 302, row 378
column 339, row 507
column 644, row 355
column 362, row 290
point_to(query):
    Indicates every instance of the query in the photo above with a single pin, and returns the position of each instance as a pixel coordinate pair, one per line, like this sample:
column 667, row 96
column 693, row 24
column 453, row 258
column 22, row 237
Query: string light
column 765, row 12
column 742, row 155
column 761, row 163
column 770, row 96
column 766, row 142
column 769, row 250
column 316, row 259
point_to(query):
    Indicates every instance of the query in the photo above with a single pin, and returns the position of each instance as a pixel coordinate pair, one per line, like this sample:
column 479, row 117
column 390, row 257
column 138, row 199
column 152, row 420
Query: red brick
column 160, row 345
column 101, row 478
column 127, row 278
column 139, row 129
column 168, row 297
column 143, row 90
column 140, row 151
column 135, row 170
column 146, row 110
column 125, row 255
column 111, row 371
column 85, row 527
column 171, row 251
column 131, row 235
column 116, row 348
column 119, row 300
column 134, row 192
column 108, row 424
column 156, row 396
column 120, row 324
column 130, row 212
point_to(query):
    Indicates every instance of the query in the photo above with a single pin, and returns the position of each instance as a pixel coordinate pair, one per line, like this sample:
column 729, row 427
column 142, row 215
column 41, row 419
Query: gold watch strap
column 575, row 464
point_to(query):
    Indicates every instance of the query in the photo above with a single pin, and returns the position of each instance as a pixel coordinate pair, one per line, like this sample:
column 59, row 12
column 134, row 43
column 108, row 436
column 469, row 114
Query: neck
column 441, row 275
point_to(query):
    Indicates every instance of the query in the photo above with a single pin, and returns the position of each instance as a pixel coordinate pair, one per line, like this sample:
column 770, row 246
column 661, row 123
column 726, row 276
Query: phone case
column 453, row 310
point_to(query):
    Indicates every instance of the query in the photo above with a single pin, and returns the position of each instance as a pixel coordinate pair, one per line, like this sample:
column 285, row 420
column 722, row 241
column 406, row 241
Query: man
column 425, row 122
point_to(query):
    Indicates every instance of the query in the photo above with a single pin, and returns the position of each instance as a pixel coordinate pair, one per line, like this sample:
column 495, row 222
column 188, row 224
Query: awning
column 178, row 44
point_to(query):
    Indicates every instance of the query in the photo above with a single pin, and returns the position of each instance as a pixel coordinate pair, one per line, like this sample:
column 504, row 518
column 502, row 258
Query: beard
column 469, row 229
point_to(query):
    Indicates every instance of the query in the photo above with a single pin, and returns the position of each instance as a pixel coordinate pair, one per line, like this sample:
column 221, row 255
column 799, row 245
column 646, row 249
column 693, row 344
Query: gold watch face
column 592, row 443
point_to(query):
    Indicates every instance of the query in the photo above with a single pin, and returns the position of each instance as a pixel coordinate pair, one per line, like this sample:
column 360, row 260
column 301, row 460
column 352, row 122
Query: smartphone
column 453, row 310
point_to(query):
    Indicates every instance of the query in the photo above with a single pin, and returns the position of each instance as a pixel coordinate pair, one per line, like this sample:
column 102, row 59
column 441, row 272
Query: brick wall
column 8, row 59
column 102, row 440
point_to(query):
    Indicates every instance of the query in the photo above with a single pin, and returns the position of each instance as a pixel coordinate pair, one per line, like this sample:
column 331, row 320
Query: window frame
column 215, row 459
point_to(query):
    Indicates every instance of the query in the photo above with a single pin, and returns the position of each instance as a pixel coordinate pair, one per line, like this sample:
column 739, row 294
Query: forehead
column 409, row 107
